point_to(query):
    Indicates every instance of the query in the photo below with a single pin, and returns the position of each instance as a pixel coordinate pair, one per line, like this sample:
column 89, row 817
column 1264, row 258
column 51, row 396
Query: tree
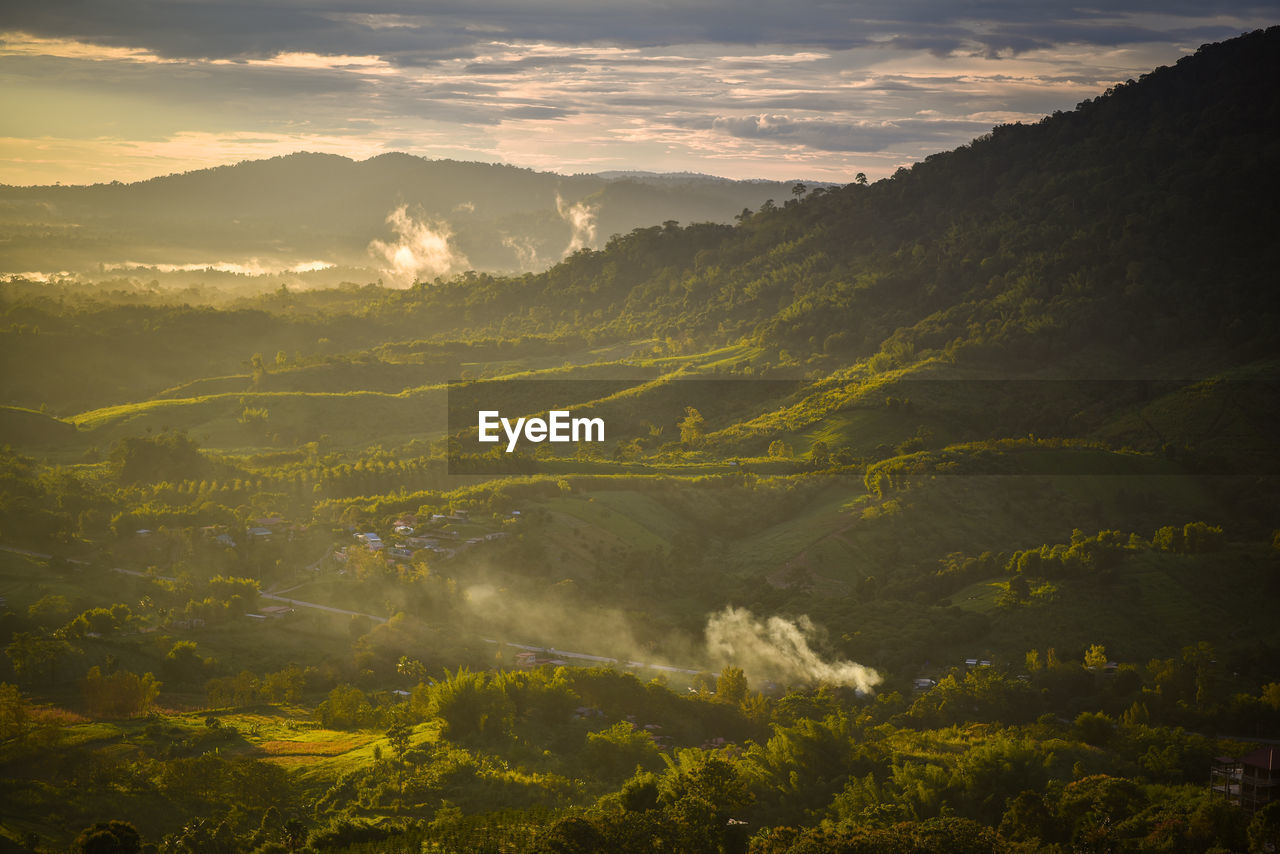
column 398, row 736
column 700, row 793
column 99, row 621
column 108, row 837
column 411, row 668
column 1017, row 591
column 1093, row 806
column 731, row 685
column 258, row 369
column 819, row 456
column 640, row 793
column 692, row 427
column 572, row 835
column 34, row 654
column 1096, row 657
column 346, row 707
column 1027, row 818
column 1094, row 728
column 120, row 694
column 1264, row 829
column 50, row 610
column 184, row 664
column 617, row 752
column 285, row 685
column 860, row 179
column 472, row 706
column 170, row 456
column 13, row 712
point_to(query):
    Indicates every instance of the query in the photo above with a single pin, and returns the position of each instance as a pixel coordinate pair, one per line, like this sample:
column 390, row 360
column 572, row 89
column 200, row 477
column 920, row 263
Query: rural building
column 1251, row 782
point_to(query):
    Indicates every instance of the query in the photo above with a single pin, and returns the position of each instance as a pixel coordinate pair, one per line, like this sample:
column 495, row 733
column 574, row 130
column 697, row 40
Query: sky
column 101, row 90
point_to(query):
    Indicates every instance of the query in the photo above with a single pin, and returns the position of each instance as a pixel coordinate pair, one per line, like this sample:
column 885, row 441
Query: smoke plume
column 581, row 218
column 526, row 251
column 421, row 249
column 779, row 650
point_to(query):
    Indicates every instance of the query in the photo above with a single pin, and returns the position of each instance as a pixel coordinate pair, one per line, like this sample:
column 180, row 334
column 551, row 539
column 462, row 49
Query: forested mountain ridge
column 307, row 209
column 1141, row 216
column 1138, row 224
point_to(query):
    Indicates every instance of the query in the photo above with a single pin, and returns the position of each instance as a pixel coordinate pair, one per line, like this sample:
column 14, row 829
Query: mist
column 555, row 619
column 779, row 650
column 581, row 218
column 526, row 251
column 421, row 249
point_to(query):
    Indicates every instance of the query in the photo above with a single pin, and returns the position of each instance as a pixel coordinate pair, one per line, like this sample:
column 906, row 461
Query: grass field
column 632, row 519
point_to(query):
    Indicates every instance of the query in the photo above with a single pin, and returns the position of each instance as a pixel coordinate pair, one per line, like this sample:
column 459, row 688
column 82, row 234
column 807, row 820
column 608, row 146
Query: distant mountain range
column 395, row 215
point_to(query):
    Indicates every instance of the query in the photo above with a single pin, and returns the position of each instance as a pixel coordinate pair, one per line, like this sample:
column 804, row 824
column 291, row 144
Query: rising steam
column 581, row 218
column 526, row 251
column 779, row 650
column 421, row 249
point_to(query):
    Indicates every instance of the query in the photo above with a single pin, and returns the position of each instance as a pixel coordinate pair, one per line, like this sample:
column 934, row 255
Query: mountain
column 1144, row 218
column 1130, row 237
column 306, row 208
column 965, row 482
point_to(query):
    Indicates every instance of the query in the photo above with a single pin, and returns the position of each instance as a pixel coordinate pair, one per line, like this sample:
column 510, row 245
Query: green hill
column 976, row 516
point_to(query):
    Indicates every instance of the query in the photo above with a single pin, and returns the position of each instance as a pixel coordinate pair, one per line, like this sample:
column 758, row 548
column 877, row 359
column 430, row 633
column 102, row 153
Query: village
column 443, row 535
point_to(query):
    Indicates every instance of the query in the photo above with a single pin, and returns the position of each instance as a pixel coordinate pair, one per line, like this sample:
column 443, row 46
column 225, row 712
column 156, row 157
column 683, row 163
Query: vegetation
column 934, row 514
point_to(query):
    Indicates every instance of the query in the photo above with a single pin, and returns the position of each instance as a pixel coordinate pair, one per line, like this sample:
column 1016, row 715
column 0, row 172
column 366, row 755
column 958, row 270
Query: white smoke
column 581, row 218
column 526, row 251
column 778, row 650
column 421, row 249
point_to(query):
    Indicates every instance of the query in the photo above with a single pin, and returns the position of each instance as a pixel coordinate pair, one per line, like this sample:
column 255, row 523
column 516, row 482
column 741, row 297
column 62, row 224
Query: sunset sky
column 103, row 90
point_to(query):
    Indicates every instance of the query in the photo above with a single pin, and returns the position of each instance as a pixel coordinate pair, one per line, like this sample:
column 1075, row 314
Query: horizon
column 607, row 174
column 131, row 94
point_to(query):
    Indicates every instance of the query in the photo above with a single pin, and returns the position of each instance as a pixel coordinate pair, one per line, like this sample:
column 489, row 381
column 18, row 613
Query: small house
column 1250, row 782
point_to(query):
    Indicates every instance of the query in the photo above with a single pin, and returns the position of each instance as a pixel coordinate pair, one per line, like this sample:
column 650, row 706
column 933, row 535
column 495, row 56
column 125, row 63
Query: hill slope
column 302, row 208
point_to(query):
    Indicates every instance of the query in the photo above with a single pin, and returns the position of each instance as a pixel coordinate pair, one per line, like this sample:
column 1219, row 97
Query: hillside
column 1139, row 220
column 271, row 216
column 964, row 482
column 1145, row 255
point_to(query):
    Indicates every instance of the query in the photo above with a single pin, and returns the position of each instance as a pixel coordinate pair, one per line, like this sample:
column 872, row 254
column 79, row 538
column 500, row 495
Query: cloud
column 421, row 249
column 807, row 88
column 212, row 29
column 844, row 136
